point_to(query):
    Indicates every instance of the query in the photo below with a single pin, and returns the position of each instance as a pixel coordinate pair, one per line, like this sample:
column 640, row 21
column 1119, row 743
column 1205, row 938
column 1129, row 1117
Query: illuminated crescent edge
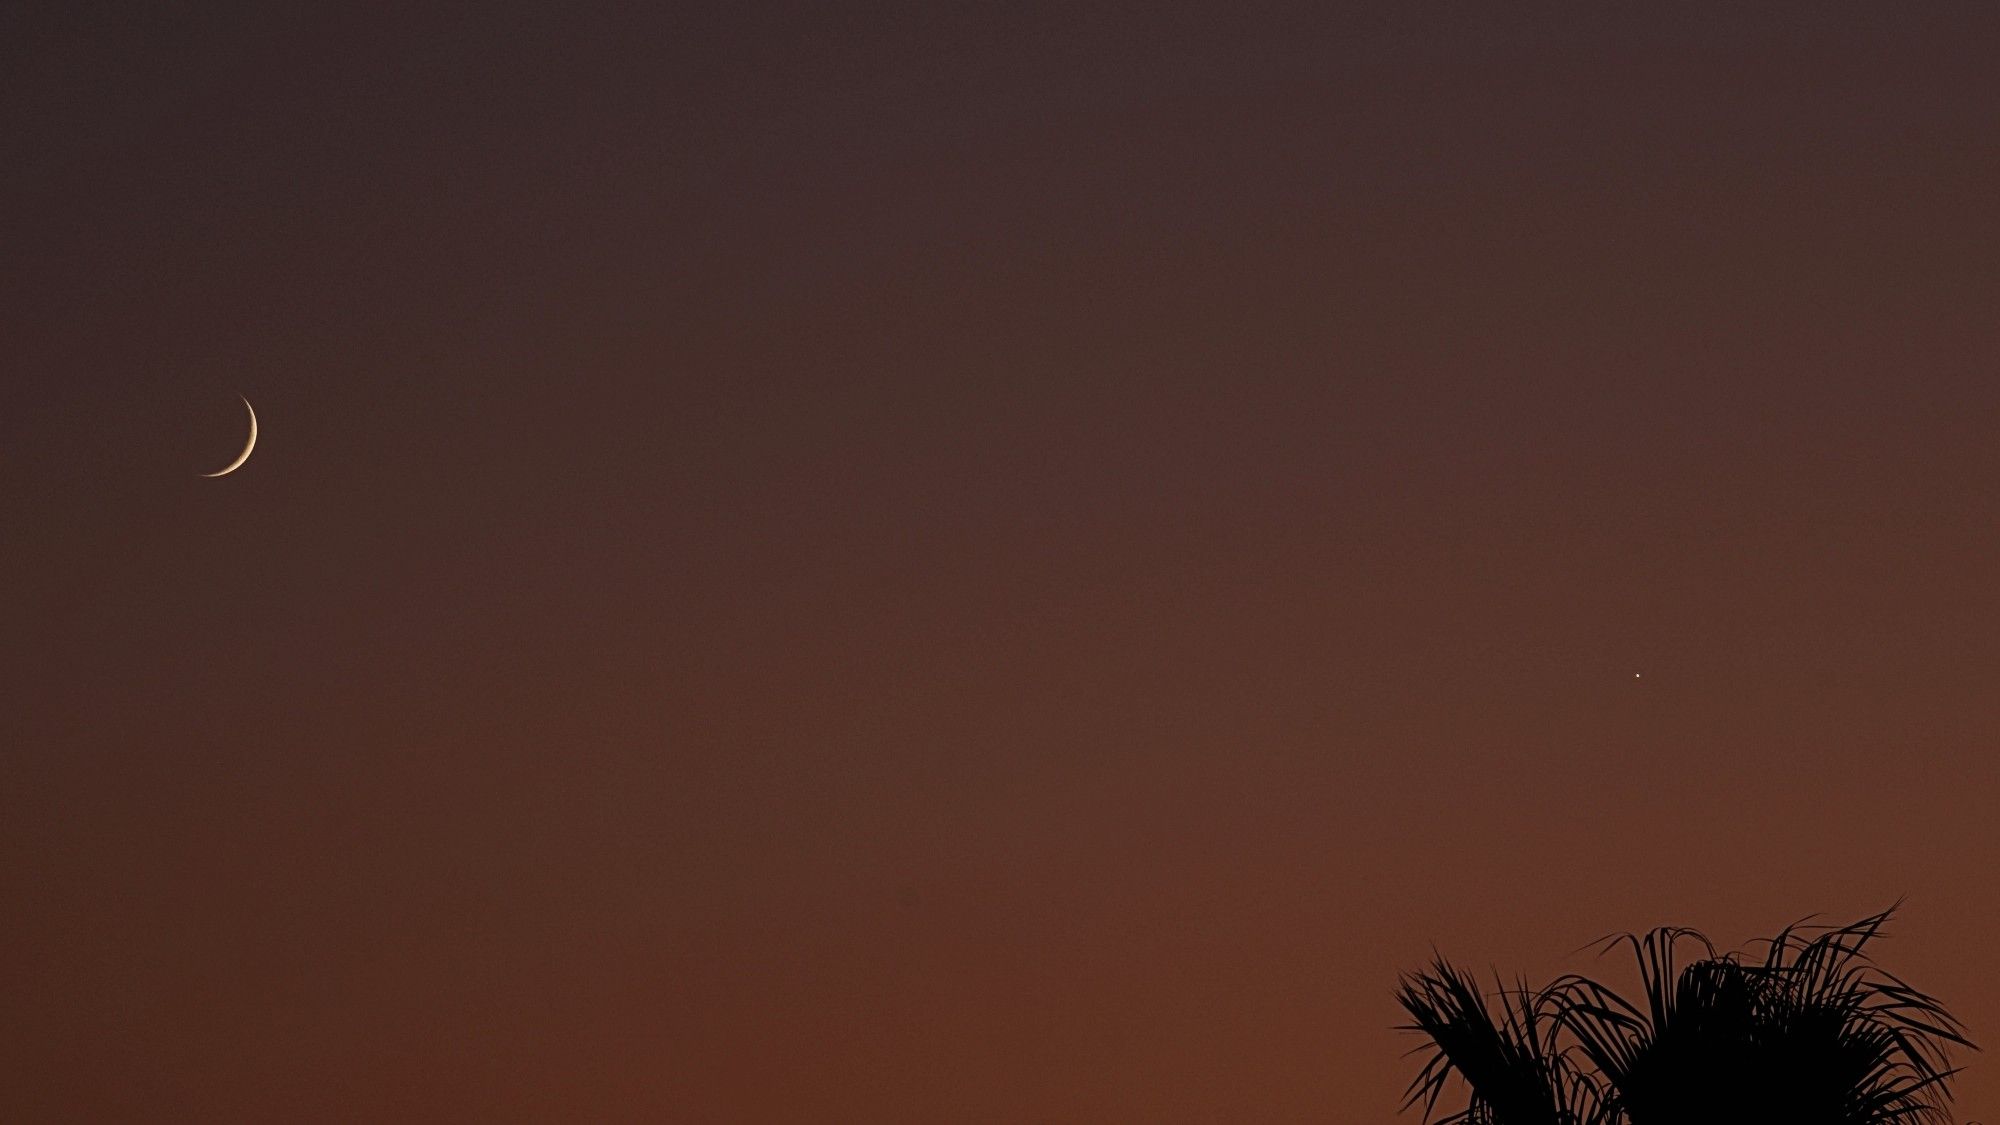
column 247, row 446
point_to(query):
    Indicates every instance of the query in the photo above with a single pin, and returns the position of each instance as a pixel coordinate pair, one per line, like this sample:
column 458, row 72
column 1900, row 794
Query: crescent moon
column 247, row 446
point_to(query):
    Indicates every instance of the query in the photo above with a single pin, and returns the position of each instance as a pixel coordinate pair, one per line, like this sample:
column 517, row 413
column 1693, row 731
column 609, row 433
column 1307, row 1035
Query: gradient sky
column 985, row 564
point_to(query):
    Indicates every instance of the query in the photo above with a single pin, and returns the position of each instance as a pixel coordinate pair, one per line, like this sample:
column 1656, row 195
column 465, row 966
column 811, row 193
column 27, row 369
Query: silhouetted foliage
column 1515, row 1068
column 1812, row 1032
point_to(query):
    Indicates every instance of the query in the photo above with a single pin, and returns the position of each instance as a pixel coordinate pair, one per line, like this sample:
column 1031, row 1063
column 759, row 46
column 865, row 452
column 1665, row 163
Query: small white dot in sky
column 1635, row 675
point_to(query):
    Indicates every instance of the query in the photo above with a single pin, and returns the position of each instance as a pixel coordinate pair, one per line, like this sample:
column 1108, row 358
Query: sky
column 982, row 563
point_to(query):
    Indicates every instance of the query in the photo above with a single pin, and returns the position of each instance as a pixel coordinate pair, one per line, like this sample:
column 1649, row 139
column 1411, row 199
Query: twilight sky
column 974, row 563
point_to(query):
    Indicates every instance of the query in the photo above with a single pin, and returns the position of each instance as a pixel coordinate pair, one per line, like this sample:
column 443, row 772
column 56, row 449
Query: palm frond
column 1814, row 1031
column 1516, row 1071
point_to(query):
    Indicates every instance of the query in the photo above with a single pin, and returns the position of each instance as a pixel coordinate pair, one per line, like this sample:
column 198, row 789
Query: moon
column 247, row 446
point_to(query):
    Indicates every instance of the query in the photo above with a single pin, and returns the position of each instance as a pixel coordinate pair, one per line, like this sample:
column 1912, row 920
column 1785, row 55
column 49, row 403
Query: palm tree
column 1812, row 1032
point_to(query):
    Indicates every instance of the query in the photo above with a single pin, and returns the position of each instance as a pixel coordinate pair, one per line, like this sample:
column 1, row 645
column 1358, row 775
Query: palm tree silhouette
column 1813, row 1032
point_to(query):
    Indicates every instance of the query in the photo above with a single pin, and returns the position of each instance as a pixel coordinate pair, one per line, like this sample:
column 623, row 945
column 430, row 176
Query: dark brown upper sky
column 1008, row 563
